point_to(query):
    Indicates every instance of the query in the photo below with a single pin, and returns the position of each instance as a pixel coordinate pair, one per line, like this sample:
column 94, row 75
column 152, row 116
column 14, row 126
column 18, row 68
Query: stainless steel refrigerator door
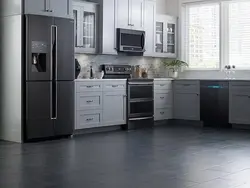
column 38, row 48
column 64, row 122
column 65, row 57
column 38, row 110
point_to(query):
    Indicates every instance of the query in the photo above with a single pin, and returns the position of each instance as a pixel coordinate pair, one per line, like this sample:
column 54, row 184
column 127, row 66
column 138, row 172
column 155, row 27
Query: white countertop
column 98, row 80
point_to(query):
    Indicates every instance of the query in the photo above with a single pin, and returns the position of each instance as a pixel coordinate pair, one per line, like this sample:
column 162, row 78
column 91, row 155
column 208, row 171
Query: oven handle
column 137, row 119
column 141, row 83
column 143, row 41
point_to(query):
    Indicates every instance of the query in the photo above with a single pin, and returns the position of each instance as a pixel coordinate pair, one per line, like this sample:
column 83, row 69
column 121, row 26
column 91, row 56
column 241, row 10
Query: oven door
column 131, row 40
column 140, row 91
column 140, row 109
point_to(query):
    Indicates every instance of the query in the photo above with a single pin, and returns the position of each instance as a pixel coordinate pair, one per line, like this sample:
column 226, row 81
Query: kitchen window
column 216, row 34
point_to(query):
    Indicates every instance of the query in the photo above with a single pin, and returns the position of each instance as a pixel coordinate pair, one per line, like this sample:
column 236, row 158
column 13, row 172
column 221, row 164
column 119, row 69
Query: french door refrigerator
column 49, row 86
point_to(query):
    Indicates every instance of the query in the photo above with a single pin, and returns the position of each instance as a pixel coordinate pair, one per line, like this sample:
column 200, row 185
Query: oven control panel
column 117, row 69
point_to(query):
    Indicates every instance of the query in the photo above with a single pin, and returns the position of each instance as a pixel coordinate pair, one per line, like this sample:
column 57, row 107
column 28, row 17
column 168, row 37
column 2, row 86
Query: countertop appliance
column 49, row 77
column 130, row 41
column 214, row 103
column 140, row 103
column 116, row 71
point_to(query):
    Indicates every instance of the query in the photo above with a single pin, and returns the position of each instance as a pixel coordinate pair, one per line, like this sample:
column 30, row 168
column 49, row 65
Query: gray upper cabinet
column 61, row 8
column 187, row 100
column 114, row 108
column 57, row 8
column 239, row 102
column 37, row 7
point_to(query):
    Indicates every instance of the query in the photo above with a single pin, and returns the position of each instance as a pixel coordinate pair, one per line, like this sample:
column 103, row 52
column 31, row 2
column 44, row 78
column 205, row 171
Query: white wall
column 10, row 78
column 170, row 7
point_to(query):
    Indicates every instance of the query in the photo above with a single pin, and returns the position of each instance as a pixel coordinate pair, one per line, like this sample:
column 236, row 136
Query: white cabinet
column 107, row 30
column 85, row 17
column 187, row 100
column 149, row 26
column 130, row 14
column 57, row 8
column 100, row 103
column 137, row 14
column 239, row 102
column 166, row 36
column 123, row 14
column 163, row 100
column 114, row 108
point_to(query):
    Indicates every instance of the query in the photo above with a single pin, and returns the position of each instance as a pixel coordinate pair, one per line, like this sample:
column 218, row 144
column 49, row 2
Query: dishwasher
column 214, row 103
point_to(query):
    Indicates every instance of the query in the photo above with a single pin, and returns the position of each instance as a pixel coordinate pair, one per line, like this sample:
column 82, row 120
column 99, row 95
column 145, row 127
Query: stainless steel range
column 140, row 103
column 140, row 96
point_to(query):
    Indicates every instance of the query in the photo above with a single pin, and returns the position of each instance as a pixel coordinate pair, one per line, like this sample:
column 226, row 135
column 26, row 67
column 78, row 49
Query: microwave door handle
column 143, row 41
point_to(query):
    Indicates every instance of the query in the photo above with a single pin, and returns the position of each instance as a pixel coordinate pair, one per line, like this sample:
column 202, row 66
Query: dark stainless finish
column 214, row 103
column 117, row 71
column 140, row 103
column 38, row 37
column 65, row 49
column 130, row 40
column 49, row 81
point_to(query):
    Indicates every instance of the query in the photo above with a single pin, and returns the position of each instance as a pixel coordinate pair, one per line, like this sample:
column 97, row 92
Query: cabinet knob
column 197, row 94
column 50, row 10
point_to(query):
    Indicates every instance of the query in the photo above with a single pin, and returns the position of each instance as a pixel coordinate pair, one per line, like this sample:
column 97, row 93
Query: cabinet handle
column 89, row 86
column 162, row 85
column 197, row 94
column 90, row 101
column 114, row 85
column 161, row 112
column 162, row 97
column 90, row 119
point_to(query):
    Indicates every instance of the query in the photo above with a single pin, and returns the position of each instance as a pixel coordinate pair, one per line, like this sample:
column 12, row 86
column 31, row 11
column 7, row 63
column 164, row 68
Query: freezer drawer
column 38, row 110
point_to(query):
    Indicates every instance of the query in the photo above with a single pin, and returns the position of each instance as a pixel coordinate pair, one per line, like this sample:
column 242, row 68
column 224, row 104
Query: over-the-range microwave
column 130, row 40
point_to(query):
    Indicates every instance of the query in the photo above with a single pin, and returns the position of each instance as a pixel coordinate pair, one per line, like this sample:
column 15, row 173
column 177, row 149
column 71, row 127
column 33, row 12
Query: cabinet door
column 114, row 108
column 187, row 106
column 37, row 7
column 171, row 36
column 60, row 8
column 239, row 108
column 123, row 14
column 85, row 17
column 137, row 14
column 149, row 26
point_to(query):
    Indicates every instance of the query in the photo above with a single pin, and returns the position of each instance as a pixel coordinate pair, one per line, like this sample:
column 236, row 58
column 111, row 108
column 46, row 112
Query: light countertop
column 168, row 79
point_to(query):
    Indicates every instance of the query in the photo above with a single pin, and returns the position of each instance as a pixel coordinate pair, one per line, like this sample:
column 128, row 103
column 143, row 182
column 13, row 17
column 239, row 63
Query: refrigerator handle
column 53, row 72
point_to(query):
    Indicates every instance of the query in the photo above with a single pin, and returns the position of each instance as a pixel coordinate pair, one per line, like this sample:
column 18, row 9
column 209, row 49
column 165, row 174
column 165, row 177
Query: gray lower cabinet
column 187, row 100
column 163, row 100
column 114, row 108
column 57, row 8
column 239, row 102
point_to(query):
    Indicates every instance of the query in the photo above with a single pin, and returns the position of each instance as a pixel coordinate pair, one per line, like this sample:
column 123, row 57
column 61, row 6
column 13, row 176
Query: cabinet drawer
column 186, row 85
column 163, row 113
column 114, row 86
column 89, row 100
column 88, row 119
column 239, row 86
column 162, row 85
column 88, row 86
column 163, row 99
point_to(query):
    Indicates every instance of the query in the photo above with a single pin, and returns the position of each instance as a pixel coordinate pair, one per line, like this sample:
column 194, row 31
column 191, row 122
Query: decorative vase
column 175, row 74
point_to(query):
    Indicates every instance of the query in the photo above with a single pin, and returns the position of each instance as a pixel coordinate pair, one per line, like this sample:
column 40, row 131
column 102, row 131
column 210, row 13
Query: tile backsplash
column 153, row 65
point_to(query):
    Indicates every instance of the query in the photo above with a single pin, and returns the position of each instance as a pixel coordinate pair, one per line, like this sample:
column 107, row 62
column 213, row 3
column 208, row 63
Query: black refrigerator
column 49, row 77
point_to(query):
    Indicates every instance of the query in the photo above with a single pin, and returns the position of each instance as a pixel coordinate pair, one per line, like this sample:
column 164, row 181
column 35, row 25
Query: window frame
column 223, row 35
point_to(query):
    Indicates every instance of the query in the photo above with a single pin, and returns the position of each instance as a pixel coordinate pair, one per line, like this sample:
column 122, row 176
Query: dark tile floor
column 164, row 157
